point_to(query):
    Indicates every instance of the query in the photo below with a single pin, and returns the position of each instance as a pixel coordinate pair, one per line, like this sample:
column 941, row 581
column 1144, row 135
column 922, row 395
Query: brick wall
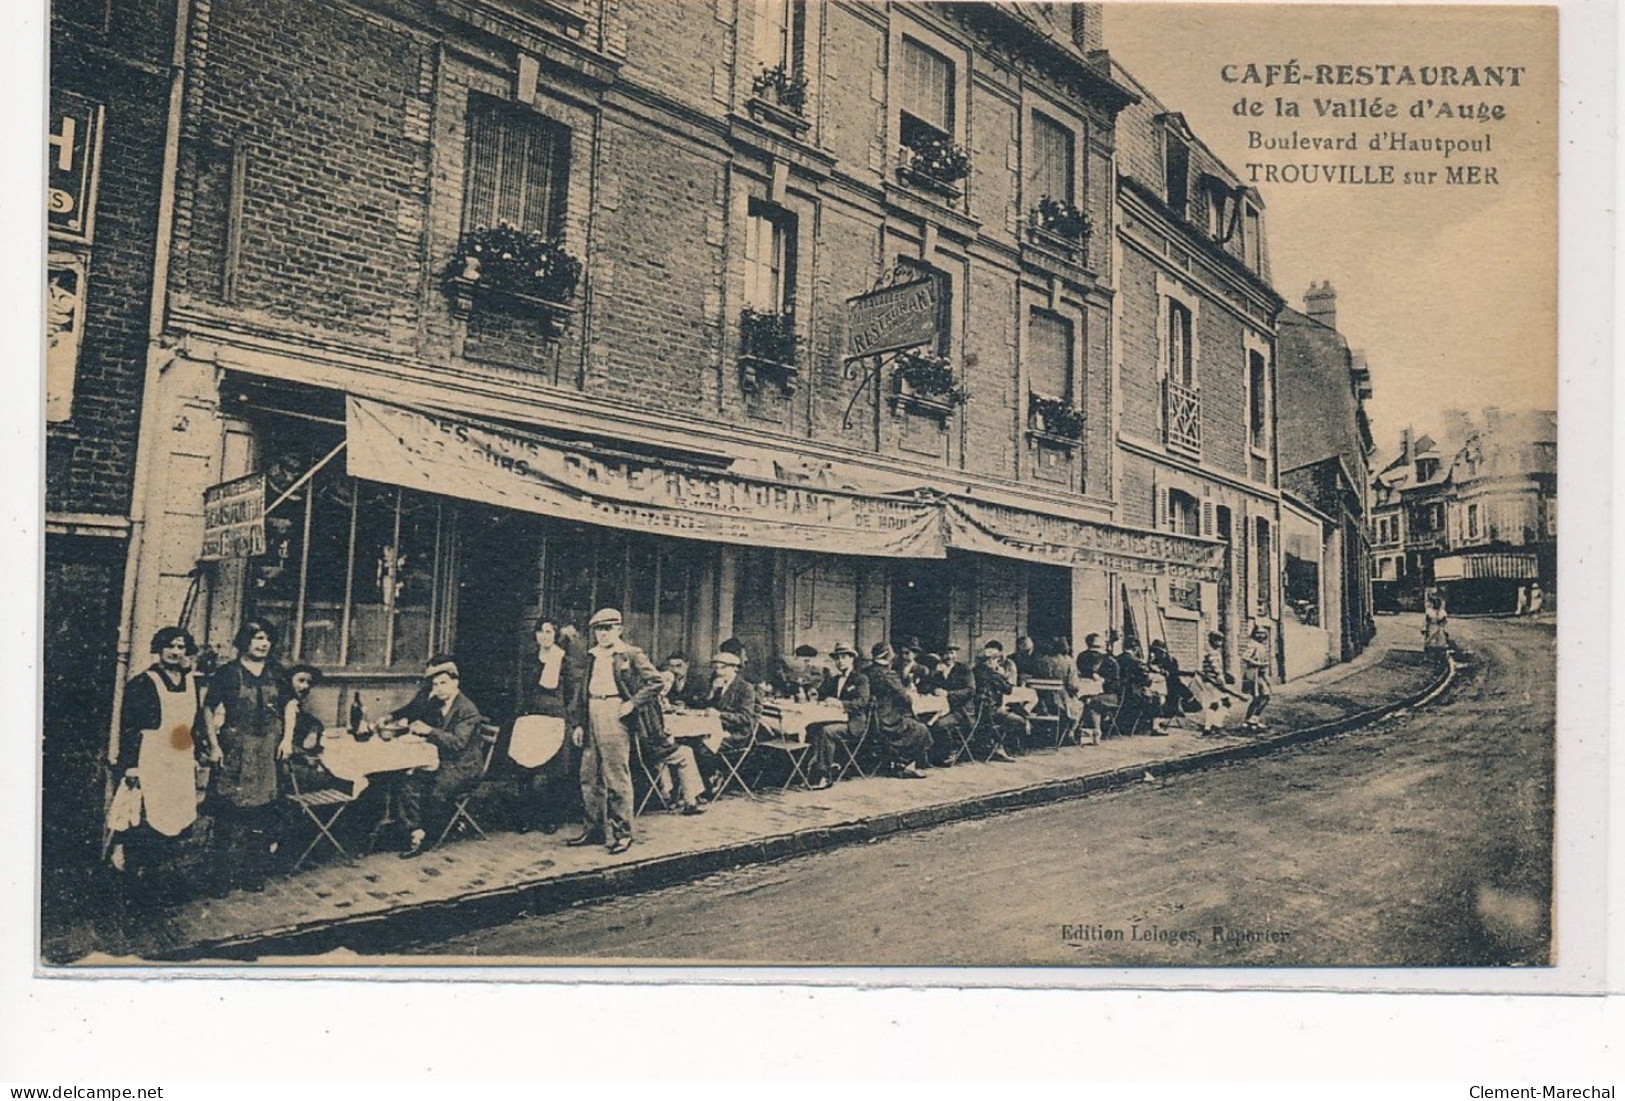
column 90, row 457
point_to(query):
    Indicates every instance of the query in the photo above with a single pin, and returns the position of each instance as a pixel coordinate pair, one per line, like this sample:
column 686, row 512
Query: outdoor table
column 1020, row 696
column 699, row 726
column 930, row 707
column 354, row 761
column 791, row 719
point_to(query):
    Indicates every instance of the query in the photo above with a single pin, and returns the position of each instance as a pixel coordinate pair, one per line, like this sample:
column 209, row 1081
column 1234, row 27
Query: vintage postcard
column 794, row 484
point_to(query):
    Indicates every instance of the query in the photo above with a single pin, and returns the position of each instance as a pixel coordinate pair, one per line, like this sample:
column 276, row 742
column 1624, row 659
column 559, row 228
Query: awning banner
column 499, row 465
column 1486, row 567
column 1062, row 541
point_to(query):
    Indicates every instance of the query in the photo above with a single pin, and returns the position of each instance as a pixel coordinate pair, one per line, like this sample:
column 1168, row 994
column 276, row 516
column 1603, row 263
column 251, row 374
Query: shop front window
column 354, row 570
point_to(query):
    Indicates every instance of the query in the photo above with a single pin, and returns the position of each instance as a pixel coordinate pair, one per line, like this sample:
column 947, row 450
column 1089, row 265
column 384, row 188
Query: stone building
column 1326, row 448
column 1195, row 362
column 112, row 89
column 795, row 322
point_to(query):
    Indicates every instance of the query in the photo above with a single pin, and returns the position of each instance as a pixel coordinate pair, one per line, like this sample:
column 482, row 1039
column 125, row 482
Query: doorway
column 498, row 561
column 1049, row 604
column 920, row 602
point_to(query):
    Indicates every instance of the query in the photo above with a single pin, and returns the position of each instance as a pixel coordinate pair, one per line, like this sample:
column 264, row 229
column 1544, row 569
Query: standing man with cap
column 451, row 721
column 617, row 699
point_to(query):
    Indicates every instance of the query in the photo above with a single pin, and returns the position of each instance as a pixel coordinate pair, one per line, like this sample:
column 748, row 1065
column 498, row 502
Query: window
column 1472, row 521
column 781, row 34
column 1253, row 239
column 354, row 577
column 1181, row 365
column 1050, row 162
column 770, row 258
column 1263, row 555
column 1049, row 358
column 1184, row 513
column 1257, row 401
column 518, row 169
column 928, row 94
column 1177, row 158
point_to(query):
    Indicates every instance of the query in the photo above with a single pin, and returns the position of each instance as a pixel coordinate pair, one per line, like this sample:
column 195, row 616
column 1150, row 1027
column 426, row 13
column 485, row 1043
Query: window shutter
column 483, row 134
column 1207, row 519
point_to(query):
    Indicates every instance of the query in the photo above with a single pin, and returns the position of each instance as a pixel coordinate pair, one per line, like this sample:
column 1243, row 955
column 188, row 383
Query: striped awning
column 1484, row 567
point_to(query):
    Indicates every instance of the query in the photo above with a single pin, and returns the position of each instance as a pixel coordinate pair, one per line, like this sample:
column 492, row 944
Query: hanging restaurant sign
column 73, row 160
column 1061, row 541
column 499, row 465
column 903, row 315
column 234, row 519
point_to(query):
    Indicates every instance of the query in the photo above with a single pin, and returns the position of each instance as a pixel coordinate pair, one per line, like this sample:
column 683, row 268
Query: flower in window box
column 768, row 336
column 506, row 259
column 783, row 86
column 923, row 375
column 1054, row 417
column 935, row 157
column 1061, row 218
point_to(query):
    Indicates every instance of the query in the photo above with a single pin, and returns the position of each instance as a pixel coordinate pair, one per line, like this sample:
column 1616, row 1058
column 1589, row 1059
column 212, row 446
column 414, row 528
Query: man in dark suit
column 991, row 684
column 905, row 740
column 850, row 689
column 687, row 688
column 451, row 721
column 737, row 704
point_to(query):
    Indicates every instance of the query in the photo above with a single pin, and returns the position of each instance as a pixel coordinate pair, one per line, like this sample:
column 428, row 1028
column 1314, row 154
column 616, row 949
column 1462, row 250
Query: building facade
column 1195, row 362
column 1326, row 449
column 794, row 322
column 112, row 89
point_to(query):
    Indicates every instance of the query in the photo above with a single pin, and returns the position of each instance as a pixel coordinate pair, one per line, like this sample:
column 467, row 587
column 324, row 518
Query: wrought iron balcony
column 1182, row 417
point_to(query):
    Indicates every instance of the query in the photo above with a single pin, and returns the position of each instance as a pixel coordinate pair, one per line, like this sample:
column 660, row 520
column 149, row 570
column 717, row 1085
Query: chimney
column 1405, row 446
column 1086, row 27
column 1320, row 303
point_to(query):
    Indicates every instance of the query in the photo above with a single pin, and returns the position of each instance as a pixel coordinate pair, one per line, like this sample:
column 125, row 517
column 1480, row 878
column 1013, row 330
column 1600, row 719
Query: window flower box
column 925, row 383
column 767, row 347
column 511, row 269
column 1054, row 418
column 779, row 96
column 933, row 162
column 1059, row 227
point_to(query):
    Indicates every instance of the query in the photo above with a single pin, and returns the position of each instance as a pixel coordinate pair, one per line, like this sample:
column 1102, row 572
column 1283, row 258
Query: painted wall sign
column 73, row 164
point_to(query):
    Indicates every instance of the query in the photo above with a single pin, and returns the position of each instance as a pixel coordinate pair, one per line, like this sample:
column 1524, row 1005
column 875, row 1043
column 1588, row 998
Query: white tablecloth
column 703, row 726
column 930, row 706
column 792, row 719
column 1020, row 695
column 353, row 761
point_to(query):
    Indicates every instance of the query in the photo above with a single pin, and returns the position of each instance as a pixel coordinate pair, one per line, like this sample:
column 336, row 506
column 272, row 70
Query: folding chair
column 853, row 744
column 460, row 813
column 965, row 735
column 314, row 804
column 733, row 758
column 1052, row 700
column 794, row 749
column 651, row 780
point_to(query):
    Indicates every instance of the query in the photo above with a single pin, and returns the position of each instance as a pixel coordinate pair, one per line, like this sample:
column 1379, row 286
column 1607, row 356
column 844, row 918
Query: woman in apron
column 251, row 715
column 156, row 753
column 555, row 789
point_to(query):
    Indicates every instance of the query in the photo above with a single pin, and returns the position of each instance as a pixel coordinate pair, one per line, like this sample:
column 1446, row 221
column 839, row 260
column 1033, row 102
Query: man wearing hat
column 451, row 721
column 616, row 699
column 906, row 741
column 798, row 676
column 849, row 688
column 736, row 703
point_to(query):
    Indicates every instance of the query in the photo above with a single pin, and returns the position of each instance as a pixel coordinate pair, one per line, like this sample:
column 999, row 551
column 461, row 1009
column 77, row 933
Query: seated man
column 951, row 678
column 687, row 690
column 305, row 765
column 850, row 689
column 798, row 676
column 451, row 721
column 992, row 683
column 904, row 740
column 1180, row 700
column 736, row 703
column 1095, row 665
column 1140, row 704
column 1055, row 664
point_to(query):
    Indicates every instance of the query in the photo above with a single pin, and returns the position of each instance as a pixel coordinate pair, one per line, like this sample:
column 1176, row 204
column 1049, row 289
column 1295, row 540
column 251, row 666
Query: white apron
column 168, row 767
